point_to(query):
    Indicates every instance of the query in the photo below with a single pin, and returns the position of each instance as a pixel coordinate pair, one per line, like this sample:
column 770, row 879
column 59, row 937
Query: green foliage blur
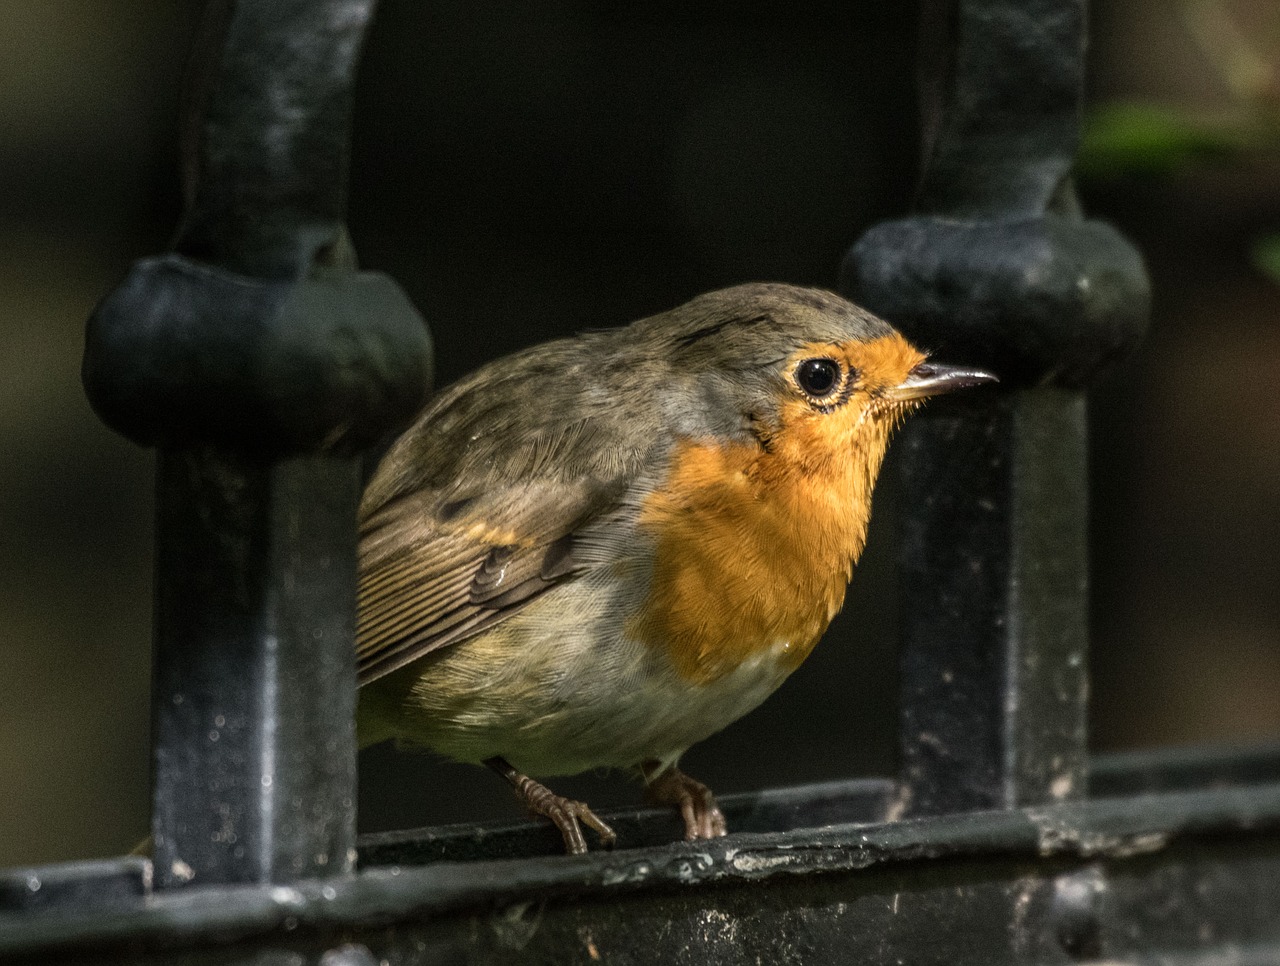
column 1151, row 139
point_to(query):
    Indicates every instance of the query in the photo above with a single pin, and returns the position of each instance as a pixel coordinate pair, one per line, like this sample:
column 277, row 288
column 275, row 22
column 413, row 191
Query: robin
column 597, row 552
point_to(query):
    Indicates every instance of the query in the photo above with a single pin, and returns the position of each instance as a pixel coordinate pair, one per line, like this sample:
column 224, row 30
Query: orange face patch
column 755, row 545
column 882, row 363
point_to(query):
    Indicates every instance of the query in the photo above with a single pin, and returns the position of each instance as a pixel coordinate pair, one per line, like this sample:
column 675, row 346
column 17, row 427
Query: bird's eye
column 818, row 377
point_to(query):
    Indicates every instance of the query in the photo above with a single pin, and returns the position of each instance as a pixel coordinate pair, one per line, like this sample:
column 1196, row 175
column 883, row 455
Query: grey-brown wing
column 513, row 480
column 431, row 576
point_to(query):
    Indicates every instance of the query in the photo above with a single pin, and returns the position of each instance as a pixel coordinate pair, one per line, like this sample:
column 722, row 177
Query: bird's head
column 804, row 372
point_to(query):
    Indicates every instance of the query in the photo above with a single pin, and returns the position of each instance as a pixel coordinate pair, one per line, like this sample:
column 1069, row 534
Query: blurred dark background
column 526, row 170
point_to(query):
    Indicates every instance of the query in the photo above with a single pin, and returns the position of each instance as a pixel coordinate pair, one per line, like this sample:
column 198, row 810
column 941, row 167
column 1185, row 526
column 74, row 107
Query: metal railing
column 261, row 363
column 1000, row 268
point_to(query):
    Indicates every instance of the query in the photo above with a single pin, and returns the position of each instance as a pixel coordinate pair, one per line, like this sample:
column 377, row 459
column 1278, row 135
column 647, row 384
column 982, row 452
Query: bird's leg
column 670, row 786
column 564, row 813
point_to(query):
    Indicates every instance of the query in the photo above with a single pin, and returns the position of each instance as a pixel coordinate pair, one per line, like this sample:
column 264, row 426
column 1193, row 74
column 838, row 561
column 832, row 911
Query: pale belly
column 590, row 699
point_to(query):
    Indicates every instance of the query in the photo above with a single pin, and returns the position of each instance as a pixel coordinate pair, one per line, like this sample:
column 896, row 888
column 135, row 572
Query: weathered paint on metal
column 1111, row 875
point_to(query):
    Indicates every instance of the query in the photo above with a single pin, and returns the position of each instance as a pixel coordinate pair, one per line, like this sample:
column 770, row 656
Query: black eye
column 818, row 377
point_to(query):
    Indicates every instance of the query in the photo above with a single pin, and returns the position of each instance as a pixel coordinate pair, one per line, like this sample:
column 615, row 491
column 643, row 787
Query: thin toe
column 608, row 837
column 719, row 826
column 698, row 809
column 566, row 821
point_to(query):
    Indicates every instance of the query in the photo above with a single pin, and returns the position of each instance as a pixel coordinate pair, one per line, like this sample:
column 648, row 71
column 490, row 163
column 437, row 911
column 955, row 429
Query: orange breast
column 754, row 549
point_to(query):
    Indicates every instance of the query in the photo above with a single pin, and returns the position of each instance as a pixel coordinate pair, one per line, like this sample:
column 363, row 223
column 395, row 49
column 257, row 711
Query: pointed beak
column 932, row 379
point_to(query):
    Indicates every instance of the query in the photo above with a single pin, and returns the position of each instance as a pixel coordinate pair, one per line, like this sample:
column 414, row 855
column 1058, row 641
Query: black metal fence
column 261, row 363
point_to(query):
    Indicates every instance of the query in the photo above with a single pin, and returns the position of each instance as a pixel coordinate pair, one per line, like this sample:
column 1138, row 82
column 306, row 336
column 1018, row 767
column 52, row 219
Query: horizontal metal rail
column 836, row 844
column 1027, row 852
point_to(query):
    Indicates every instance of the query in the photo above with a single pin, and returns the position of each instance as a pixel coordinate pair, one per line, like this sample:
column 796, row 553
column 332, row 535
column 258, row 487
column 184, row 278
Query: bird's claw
column 702, row 816
column 565, row 814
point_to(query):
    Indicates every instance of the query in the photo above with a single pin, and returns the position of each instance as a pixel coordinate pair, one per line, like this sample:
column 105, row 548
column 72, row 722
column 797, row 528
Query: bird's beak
column 932, row 379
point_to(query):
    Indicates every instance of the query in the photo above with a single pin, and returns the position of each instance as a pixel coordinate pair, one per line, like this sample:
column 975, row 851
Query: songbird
column 599, row 551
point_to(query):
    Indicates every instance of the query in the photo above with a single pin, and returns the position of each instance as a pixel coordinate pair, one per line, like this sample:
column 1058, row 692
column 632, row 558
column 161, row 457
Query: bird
column 601, row 550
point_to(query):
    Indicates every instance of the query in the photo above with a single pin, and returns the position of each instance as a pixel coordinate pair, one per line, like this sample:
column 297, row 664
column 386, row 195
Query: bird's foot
column 702, row 816
column 564, row 813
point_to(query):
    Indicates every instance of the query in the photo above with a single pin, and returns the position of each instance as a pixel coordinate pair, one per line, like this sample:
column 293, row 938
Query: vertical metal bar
column 998, row 268
column 254, row 695
column 993, row 563
column 260, row 362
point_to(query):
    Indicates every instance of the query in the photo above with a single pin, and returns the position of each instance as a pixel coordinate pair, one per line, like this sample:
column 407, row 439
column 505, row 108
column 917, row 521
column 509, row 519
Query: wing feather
column 429, row 582
column 495, row 496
